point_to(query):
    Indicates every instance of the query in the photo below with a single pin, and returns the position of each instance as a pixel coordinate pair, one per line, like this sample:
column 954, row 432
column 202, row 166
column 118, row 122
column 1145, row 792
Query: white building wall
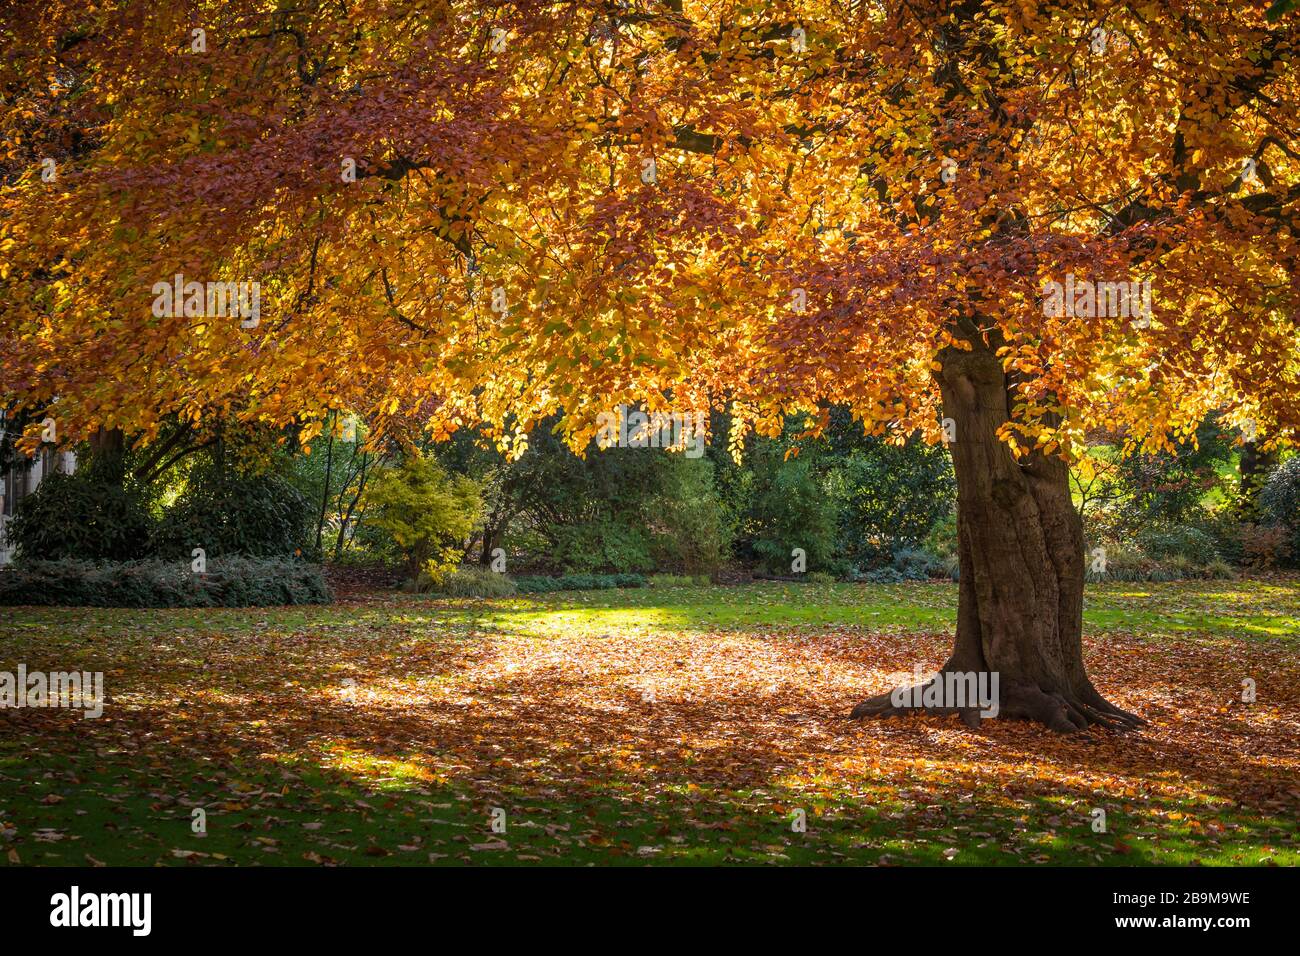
column 18, row 484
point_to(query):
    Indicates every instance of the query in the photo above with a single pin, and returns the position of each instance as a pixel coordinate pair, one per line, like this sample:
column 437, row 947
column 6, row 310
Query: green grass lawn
column 1169, row 609
column 675, row 726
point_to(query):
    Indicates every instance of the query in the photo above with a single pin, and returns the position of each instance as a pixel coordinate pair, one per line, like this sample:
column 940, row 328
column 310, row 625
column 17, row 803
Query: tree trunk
column 1255, row 468
column 110, row 442
column 107, row 455
column 325, row 495
column 1021, row 552
column 352, row 506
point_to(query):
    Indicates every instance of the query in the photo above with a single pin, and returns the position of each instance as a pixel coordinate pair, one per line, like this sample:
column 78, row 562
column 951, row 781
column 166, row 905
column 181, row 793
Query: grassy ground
column 690, row 725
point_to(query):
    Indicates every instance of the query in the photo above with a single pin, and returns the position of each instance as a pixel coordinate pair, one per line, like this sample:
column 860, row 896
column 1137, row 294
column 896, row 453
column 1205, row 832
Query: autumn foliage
column 462, row 212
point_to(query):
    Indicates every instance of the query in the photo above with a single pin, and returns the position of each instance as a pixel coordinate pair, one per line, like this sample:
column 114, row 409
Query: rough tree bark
column 1021, row 552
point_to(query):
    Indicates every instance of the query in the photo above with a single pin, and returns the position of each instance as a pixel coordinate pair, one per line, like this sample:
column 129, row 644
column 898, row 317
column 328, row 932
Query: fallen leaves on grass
column 673, row 739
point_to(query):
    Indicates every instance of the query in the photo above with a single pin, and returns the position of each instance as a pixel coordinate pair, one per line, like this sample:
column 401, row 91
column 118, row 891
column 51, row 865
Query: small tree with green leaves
column 428, row 512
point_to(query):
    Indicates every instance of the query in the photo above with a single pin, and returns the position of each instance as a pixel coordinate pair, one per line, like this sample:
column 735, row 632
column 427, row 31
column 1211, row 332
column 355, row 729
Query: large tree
column 494, row 212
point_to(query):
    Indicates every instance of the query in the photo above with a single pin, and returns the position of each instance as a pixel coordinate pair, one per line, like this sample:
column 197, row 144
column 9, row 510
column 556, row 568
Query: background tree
column 429, row 513
column 617, row 509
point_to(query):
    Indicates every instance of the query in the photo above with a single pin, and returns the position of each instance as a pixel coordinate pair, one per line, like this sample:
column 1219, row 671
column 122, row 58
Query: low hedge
column 679, row 580
column 476, row 582
column 232, row 581
column 579, row 582
column 1130, row 565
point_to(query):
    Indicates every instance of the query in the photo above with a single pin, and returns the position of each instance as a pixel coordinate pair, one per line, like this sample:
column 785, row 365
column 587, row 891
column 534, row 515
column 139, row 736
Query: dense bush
column 428, row 512
column 605, row 542
column 859, row 508
column 232, row 581
column 890, row 497
column 1279, row 502
column 1190, row 543
column 1171, row 488
column 475, row 582
column 630, row 510
column 911, row 564
column 920, row 564
column 579, row 582
column 1225, row 532
column 555, row 509
column 848, row 499
column 674, row 522
column 1264, row 547
column 788, row 508
column 224, row 513
column 619, row 510
column 942, row 537
column 468, row 582
column 690, row 529
column 82, row 516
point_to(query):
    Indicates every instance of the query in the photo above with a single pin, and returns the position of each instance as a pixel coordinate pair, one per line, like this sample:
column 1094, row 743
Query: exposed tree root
column 1062, row 712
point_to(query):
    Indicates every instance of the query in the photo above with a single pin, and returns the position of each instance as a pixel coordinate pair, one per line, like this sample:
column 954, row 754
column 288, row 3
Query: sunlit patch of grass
column 379, row 773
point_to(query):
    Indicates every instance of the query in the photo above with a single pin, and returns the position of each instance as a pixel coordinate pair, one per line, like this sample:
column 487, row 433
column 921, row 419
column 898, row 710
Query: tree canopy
column 493, row 212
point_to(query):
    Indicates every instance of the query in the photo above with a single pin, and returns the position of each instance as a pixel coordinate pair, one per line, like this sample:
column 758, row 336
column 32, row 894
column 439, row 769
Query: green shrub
column 1178, row 541
column 83, row 516
column 224, row 514
column 1170, row 488
column 820, row 577
column 473, row 582
column 690, row 528
column 231, row 581
column 1279, row 501
column 789, row 509
column 916, row 564
column 942, row 537
column 890, row 497
column 602, row 544
column 429, row 513
column 912, row 564
column 1225, row 531
column 618, row 510
column 678, row 580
